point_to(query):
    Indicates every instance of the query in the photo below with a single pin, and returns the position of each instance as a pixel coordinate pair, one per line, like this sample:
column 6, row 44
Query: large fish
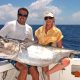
column 30, row 53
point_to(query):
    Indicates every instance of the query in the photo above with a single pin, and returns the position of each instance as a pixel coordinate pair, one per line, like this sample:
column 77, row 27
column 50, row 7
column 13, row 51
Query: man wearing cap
column 50, row 35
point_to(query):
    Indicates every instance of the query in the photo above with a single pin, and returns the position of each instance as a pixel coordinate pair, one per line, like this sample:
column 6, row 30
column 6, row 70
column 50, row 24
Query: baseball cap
column 48, row 14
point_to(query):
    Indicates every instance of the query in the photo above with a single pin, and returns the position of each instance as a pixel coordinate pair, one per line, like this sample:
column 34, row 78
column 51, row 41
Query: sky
column 65, row 11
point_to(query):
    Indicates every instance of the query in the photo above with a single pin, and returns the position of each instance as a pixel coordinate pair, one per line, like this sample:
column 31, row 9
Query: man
column 18, row 29
column 50, row 35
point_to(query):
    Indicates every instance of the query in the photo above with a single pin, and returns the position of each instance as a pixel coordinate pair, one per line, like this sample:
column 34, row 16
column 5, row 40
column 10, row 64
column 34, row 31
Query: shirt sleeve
column 60, row 36
column 30, row 34
column 36, row 33
column 5, row 30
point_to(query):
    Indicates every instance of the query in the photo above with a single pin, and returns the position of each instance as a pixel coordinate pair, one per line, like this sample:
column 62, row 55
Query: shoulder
column 28, row 27
column 40, row 28
column 11, row 23
column 56, row 29
column 38, row 31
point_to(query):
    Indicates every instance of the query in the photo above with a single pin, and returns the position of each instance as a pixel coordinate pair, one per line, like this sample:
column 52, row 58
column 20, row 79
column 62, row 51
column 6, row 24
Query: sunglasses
column 46, row 18
column 24, row 15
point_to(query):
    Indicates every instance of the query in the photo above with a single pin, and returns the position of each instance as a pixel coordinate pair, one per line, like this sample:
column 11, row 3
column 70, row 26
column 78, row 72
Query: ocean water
column 71, row 35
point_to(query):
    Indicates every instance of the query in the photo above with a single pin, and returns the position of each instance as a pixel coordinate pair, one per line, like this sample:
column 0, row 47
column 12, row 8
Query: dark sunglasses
column 24, row 15
column 48, row 18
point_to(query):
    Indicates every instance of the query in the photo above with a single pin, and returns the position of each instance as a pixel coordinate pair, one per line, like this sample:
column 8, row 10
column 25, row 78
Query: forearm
column 59, row 44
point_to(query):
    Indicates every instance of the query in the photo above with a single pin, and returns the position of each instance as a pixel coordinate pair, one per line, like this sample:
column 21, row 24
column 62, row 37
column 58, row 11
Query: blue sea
column 71, row 34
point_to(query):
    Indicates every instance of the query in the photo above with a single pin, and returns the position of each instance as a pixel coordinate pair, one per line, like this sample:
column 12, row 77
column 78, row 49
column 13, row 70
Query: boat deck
column 8, row 72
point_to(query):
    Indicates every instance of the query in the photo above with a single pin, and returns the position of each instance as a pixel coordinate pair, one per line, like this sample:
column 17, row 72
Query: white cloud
column 38, row 8
column 7, row 12
column 54, row 9
column 33, row 14
column 39, row 4
column 76, row 17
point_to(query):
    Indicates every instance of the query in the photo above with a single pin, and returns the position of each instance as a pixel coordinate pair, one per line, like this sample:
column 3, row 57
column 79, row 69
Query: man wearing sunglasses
column 50, row 35
column 18, row 29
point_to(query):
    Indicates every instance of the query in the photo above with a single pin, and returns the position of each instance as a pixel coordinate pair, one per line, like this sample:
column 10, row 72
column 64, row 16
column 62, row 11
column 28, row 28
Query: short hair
column 24, row 10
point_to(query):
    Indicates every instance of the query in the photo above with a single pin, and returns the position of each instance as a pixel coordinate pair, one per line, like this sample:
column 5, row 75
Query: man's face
column 22, row 16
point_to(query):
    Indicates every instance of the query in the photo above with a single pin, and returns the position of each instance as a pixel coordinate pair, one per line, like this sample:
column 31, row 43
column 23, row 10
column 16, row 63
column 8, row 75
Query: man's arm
column 4, row 31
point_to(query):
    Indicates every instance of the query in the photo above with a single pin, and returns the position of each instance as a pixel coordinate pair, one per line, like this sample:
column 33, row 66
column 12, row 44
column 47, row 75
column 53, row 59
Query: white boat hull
column 60, row 75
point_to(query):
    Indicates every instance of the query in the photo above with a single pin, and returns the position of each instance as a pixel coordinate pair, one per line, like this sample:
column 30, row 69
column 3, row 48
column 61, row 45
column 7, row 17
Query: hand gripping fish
column 29, row 52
